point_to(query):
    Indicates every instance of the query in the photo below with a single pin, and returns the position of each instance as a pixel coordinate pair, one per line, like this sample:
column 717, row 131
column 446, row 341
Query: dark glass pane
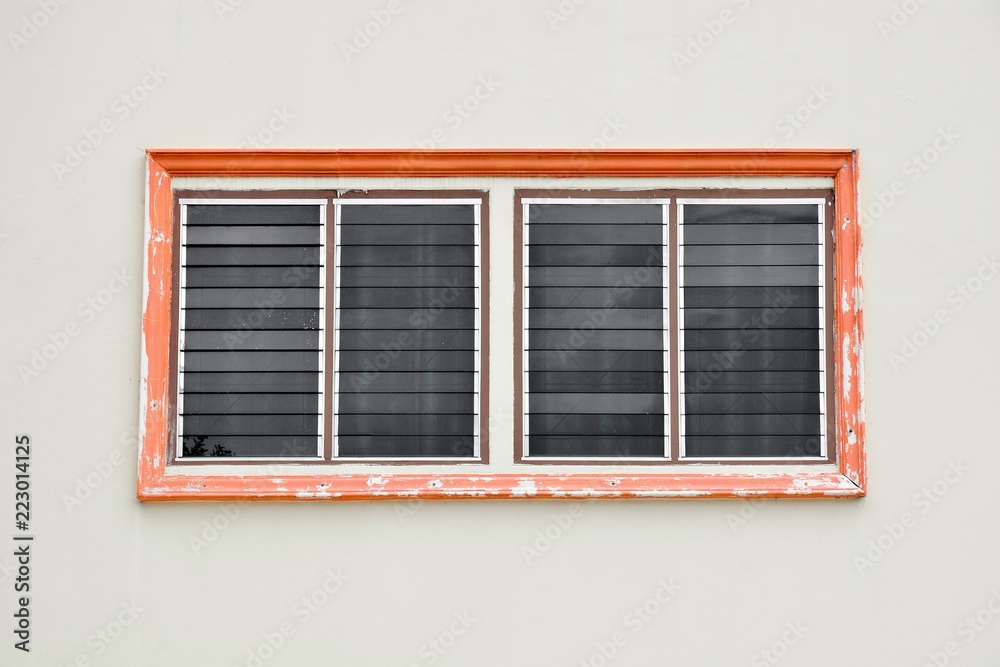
column 752, row 330
column 624, row 425
column 251, row 404
column 399, row 255
column 252, row 318
column 409, row 339
column 250, row 255
column 590, row 339
column 753, row 255
column 595, row 234
column 391, row 381
column 590, row 255
column 408, row 276
column 751, row 297
column 247, row 339
column 400, row 318
column 595, row 276
column 751, row 234
column 759, row 360
column 738, row 276
column 405, row 214
column 587, row 319
column 252, row 214
column 268, row 424
column 241, row 235
column 250, row 360
column 410, row 446
column 254, row 276
column 751, row 338
column 713, row 380
column 738, row 318
column 755, row 403
column 600, row 360
column 595, row 381
column 250, row 370
column 452, row 234
column 406, row 297
column 607, row 214
column 407, row 336
column 756, row 424
column 196, row 446
column 256, row 382
column 393, row 424
column 595, row 330
column 235, row 297
column 586, row 403
column 752, row 446
column 408, row 360
column 749, row 214
column 596, row 446
column 406, row 403
column 595, row 297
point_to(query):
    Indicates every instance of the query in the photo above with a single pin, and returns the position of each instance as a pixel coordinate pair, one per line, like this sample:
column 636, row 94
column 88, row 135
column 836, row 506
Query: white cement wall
column 476, row 576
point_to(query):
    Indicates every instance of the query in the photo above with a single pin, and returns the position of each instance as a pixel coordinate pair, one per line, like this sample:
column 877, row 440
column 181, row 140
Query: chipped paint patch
column 525, row 487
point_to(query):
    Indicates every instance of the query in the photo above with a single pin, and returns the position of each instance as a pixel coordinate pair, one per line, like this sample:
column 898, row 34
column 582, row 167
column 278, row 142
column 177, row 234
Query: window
column 405, row 335
column 594, row 327
column 317, row 324
column 748, row 367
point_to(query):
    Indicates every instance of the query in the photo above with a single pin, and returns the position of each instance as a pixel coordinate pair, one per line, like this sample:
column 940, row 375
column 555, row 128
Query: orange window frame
column 156, row 483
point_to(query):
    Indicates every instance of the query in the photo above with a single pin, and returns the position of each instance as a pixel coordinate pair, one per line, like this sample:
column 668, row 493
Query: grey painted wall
column 891, row 579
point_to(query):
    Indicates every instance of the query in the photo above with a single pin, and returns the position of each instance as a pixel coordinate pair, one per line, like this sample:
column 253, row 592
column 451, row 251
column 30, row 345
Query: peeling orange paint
column 156, row 483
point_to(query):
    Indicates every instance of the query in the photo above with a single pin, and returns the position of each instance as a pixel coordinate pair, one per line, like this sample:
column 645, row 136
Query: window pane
column 595, row 322
column 752, row 330
column 407, row 337
column 252, row 330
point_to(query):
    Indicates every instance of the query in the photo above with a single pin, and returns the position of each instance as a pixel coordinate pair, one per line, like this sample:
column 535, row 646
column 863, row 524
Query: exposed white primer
column 526, row 487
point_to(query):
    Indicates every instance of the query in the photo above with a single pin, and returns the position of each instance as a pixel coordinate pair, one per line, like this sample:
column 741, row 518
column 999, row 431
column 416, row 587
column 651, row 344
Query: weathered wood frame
column 157, row 483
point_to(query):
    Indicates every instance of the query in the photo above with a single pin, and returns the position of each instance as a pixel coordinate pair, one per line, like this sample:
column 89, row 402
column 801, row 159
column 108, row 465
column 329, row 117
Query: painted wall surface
column 906, row 576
